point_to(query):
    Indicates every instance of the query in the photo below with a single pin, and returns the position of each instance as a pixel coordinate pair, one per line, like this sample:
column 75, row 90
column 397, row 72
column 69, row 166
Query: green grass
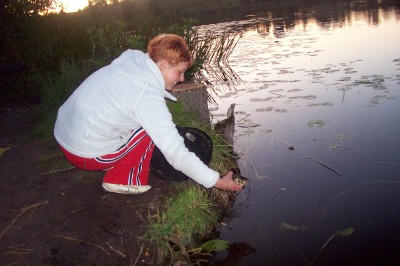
column 184, row 219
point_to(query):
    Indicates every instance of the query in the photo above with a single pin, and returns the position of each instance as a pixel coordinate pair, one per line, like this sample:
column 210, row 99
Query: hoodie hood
column 136, row 64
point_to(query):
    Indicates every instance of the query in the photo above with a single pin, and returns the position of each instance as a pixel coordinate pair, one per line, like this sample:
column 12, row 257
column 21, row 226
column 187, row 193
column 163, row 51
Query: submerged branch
column 320, row 250
column 309, row 157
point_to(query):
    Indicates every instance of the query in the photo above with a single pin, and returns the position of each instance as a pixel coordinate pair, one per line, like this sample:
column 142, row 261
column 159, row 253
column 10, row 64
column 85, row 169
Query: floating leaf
column 266, row 130
column 309, row 97
column 215, row 245
column 342, row 137
column 334, row 146
column 248, row 124
column 316, row 123
column 287, row 226
column 290, row 227
column 294, row 90
column 267, row 109
column 3, row 150
column 260, row 99
column 346, row 232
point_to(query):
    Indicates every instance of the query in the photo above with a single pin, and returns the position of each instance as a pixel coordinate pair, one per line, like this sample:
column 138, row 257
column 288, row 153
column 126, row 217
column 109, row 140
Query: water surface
column 318, row 129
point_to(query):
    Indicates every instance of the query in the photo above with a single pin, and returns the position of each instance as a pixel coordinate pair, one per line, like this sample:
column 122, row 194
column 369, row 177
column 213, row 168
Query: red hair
column 169, row 47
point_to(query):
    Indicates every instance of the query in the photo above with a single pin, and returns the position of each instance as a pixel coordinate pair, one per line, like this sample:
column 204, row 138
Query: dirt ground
column 64, row 218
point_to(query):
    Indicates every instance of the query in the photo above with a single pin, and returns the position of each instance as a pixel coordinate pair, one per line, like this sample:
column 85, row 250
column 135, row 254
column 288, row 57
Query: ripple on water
column 391, row 165
column 384, row 170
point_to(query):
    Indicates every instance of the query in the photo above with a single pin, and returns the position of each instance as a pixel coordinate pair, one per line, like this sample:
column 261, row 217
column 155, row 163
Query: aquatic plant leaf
column 316, row 123
column 249, row 124
column 267, row 109
column 342, row 137
column 309, row 97
column 346, row 232
column 3, row 150
column 294, row 90
column 260, row 99
column 334, row 146
column 215, row 245
column 266, row 130
column 290, row 227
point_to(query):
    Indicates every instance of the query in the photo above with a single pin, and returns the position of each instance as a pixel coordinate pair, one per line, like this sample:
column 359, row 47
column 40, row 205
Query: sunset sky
column 74, row 5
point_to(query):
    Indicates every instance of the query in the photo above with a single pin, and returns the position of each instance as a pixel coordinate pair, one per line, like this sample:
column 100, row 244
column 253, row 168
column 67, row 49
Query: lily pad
column 294, row 90
column 342, row 137
column 3, row 150
column 260, row 99
column 346, row 232
column 334, row 146
column 267, row 109
column 309, row 97
column 316, row 123
column 291, row 227
column 246, row 123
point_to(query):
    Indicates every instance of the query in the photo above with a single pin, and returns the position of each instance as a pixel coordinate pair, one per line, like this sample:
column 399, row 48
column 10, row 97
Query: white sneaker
column 125, row 189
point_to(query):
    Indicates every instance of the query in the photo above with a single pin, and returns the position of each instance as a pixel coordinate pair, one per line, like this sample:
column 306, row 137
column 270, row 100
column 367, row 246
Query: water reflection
column 322, row 79
column 277, row 18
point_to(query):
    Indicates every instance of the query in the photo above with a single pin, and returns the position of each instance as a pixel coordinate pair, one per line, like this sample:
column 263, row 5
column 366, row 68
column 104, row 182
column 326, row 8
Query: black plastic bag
column 196, row 141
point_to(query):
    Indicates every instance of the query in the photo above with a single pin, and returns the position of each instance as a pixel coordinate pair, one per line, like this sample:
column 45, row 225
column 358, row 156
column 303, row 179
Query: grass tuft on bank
column 184, row 220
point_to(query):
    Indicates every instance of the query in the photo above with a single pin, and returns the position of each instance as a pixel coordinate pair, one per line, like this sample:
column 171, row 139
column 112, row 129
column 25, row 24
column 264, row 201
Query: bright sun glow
column 74, row 5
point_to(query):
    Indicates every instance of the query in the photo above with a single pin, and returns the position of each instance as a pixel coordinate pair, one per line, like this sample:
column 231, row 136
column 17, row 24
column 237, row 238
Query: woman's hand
column 227, row 183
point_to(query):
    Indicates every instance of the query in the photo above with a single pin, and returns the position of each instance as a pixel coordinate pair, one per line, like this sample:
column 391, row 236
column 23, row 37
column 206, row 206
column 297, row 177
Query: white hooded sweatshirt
column 129, row 93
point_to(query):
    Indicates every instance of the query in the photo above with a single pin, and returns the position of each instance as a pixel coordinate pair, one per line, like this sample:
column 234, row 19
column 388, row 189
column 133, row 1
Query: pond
column 317, row 94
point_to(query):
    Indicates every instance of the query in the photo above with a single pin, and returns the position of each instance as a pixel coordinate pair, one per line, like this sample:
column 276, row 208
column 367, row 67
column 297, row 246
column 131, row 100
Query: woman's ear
column 162, row 64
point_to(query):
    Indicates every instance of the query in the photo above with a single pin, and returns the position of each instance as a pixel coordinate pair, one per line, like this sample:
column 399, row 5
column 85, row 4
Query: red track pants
column 129, row 165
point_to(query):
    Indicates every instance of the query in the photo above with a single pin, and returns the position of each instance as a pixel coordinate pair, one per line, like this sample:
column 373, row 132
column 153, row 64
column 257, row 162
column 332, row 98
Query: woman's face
column 172, row 74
